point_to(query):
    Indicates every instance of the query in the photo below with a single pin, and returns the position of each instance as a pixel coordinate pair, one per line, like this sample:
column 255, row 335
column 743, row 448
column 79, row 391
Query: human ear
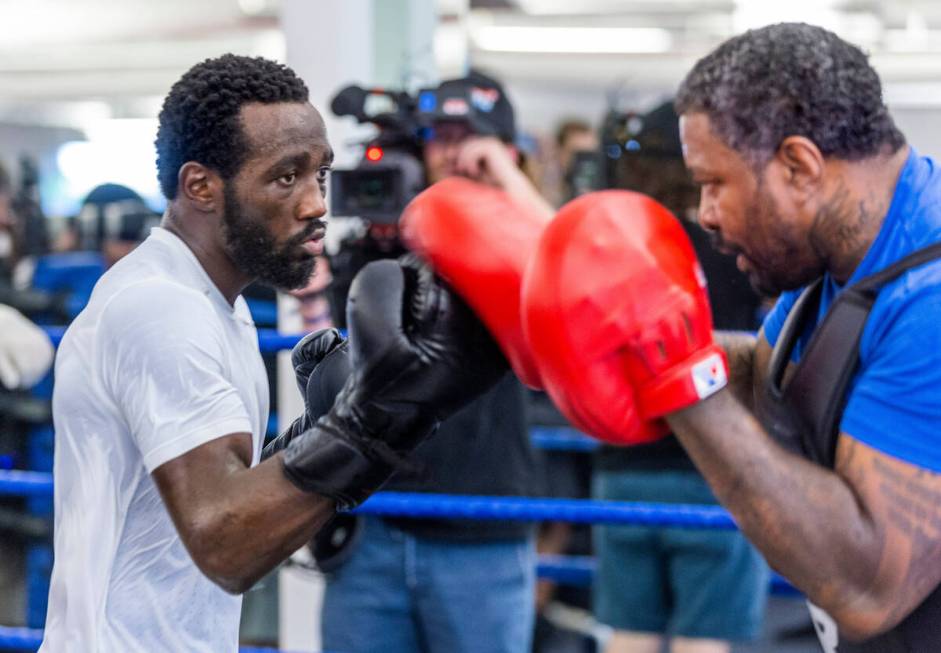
column 201, row 186
column 802, row 163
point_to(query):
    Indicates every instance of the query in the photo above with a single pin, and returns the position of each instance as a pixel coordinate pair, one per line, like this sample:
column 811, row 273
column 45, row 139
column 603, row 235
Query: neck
column 848, row 222
column 206, row 245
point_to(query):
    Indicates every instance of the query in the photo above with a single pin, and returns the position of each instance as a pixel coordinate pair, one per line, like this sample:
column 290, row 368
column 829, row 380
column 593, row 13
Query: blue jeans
column 401, row 593
column 694, row 583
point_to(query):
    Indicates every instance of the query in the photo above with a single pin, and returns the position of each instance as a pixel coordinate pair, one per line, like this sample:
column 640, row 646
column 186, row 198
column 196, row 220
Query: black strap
column 805, row 306
column 817, row 391
column 919, row 257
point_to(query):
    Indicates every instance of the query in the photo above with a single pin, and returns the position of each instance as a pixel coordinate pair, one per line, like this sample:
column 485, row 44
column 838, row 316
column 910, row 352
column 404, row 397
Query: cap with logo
column 476, row 100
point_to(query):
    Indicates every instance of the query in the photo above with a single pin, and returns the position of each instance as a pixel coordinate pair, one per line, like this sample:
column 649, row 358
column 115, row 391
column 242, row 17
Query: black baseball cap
column 477, row 100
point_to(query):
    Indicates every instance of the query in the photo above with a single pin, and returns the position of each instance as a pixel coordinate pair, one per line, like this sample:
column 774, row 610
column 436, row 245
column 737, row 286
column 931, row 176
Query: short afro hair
column 791, row 79
column 199, row 120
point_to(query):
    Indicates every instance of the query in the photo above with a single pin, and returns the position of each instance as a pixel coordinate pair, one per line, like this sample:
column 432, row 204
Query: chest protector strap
column 803, row 411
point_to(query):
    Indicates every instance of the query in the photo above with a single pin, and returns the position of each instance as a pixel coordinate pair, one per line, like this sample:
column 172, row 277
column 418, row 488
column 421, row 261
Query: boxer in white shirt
column 163, row 513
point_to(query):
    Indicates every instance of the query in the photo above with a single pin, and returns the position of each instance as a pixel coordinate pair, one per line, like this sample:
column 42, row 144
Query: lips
column 313, row 245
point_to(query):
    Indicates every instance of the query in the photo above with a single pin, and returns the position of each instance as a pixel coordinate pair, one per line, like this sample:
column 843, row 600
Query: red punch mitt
column 616, row 313
column 479, row 241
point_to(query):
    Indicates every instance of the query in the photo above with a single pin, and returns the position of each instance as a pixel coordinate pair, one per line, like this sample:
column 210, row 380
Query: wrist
column 324, row 462
column 341, row 459
column 281, row 442
column 692, row 381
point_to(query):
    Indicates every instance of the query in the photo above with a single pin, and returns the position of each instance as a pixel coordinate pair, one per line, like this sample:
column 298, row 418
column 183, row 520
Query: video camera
column 391, row 171
column 377, row 190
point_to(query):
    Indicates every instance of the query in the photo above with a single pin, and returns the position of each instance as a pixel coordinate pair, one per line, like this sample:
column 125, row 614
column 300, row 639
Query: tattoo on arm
column 863, row 540
column 914, row 512
column 905, row 501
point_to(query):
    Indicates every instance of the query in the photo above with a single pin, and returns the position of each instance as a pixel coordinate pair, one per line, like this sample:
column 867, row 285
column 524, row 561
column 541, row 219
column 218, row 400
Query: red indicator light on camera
column 374, row 153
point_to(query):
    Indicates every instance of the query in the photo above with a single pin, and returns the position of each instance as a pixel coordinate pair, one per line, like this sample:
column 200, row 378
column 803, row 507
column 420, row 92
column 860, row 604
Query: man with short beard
column 163, row 512
column 821, row 437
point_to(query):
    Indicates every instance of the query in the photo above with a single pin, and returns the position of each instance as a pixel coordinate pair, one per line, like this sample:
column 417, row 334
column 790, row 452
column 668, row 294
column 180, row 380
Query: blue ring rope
column 583, row 511
column 411, row 504
column 269, row 340
column 14, row 482
column 562, row 438
column 29, row 639
column 580, row 571
column 565, row 570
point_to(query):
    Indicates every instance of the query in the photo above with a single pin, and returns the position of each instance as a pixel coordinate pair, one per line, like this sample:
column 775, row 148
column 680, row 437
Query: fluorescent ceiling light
column 587, row 40
column 750, row 14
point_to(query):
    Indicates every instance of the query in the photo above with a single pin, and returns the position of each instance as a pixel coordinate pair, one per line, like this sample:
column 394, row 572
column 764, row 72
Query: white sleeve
column 161, row 351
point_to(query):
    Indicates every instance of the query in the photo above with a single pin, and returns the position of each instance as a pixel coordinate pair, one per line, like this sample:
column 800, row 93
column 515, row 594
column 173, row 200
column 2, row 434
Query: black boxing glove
column 308, row 354
column 418, row 354
column 321, row 365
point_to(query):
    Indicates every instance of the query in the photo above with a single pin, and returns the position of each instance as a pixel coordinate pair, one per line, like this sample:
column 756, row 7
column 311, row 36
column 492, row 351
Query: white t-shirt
column 157, row 364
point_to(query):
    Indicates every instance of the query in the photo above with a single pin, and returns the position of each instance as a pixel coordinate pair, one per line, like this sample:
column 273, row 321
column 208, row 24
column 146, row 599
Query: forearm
column 523, row 191
column 488, row 160
column 740, row 347
column 252, row 524
column 805, row 519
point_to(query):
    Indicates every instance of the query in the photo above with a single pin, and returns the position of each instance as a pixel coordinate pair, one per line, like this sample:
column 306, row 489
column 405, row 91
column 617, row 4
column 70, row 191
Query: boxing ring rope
column 429, row 506
column 29, row 639
column 269, row 340
column 564, row 570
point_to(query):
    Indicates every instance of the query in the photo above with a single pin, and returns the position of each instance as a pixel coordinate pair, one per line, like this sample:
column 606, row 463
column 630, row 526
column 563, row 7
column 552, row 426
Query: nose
column 708, row 216
column 314, row 204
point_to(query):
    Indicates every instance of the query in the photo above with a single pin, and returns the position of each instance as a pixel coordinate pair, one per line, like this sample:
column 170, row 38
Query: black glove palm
column 321, row 365
column 418, row 354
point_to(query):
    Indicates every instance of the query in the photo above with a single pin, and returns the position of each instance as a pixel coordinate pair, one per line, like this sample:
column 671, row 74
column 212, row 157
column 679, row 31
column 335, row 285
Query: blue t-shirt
column 894, row 403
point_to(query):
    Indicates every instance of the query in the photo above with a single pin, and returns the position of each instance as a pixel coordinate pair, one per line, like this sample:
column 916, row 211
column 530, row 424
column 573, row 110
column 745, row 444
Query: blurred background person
column 696, row 590
column 445, row 585
column 314, row 305
column 577, row 153
column 113, row 220
column 573, row 144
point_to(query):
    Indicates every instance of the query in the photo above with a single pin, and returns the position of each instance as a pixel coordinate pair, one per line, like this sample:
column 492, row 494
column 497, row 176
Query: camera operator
column 410, row 585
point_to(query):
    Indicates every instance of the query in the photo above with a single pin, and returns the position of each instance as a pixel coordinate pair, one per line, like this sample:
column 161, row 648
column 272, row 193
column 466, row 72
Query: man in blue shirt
column 804, row 175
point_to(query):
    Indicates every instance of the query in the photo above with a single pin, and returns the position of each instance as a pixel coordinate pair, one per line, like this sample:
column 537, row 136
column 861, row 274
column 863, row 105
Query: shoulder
column 907, row 309
column 154, row 310
column 155, row 297
column 895, row 401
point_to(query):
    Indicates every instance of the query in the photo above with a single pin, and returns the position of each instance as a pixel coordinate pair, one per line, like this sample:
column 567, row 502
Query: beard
column 256, row 252
column 784, row 262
